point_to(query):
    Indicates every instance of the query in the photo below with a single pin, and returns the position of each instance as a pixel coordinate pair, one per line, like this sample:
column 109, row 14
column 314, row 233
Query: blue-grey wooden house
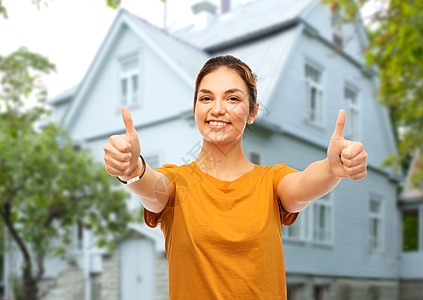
column 345, row 245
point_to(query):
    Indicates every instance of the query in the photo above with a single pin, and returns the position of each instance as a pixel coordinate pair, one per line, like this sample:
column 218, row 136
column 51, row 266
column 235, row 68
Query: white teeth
column 217, row 123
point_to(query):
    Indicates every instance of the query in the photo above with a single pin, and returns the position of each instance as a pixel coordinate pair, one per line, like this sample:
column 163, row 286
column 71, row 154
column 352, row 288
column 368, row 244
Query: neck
column 223, row 160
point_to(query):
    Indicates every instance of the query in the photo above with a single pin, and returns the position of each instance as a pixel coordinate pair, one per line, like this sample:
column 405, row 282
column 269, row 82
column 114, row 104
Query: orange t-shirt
column 223, row 238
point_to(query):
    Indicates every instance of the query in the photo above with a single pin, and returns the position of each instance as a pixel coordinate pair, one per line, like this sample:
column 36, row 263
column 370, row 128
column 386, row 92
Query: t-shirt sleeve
column 151, row 219
column 281, row 171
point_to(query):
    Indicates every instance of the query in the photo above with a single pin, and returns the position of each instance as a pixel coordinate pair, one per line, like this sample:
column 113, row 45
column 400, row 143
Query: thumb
column 340, row 124
column 127, row 120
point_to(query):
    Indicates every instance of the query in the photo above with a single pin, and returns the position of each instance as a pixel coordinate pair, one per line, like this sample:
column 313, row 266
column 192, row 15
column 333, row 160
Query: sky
column 70, row 32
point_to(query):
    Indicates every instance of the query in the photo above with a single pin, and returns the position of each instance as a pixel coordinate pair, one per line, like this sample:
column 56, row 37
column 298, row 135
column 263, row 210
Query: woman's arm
column 122, row 159
column 345, row 159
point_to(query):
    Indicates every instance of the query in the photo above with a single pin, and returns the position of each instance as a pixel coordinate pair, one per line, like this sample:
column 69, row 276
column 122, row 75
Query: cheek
column 240, row 113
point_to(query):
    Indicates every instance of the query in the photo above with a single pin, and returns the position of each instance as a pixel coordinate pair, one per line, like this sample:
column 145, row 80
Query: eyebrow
column 230, row 91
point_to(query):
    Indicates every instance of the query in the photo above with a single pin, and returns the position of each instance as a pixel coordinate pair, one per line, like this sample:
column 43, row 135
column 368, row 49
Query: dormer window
column 336, row 21
column 129, row 81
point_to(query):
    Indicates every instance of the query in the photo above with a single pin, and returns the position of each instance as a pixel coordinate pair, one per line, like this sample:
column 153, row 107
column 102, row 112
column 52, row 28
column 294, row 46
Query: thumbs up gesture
column 122, row 152
column 347, row 159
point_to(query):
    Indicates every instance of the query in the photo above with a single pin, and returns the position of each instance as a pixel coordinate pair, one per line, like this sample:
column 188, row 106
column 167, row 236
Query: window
column 353, row 124
column 345, row 293
column 77, row 240
column 300, row 229
column 373, row 293
column 336, row 20
column 322, row 219
column 320, row 292
column 375, row 225
column 129, row 80
column 410, row 230
column 314, row 94
column 314, row 223
column 295, row 291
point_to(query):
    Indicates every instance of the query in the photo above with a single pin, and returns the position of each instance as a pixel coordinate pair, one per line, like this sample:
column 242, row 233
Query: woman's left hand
column 347, row 159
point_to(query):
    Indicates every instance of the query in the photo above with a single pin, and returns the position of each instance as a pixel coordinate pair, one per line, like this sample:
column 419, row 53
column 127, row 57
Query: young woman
column 222, row 215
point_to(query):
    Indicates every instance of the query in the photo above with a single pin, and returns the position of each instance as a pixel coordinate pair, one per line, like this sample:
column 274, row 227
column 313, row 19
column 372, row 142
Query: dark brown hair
column 233, row 63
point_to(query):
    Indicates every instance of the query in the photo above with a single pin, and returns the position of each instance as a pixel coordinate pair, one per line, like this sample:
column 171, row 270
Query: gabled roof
column 413, row 193
column 267, row 58
column 249, row 21
column 185, row 55
column 65, row 95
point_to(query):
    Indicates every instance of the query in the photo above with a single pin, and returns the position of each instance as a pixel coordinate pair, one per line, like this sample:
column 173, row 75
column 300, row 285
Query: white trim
column 327, row 202
column 128, row 76
column 305, row 223
column 380, row 216
column 357, row 107
column 320, row 87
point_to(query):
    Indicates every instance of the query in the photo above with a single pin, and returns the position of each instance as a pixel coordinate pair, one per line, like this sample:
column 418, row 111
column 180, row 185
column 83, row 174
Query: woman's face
column 222, row 107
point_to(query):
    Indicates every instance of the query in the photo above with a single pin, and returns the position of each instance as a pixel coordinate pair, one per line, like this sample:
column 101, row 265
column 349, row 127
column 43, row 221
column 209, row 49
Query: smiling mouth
column 216, row 124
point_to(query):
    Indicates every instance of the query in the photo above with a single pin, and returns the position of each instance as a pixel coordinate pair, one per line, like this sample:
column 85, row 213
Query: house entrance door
column 137, row 269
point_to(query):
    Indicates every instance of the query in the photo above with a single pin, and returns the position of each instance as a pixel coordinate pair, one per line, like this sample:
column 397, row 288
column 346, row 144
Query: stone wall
column 162, row 276
column 68, row 285
column 110, row 277
column 411, row 289
column 304, row 287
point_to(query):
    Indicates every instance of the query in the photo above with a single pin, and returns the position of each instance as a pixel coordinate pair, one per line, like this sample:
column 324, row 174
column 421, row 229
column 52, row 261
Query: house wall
column 289, row 100
column 348, row 254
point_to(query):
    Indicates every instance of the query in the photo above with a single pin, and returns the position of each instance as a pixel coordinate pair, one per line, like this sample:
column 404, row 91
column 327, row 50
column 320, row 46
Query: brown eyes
column 209, row 99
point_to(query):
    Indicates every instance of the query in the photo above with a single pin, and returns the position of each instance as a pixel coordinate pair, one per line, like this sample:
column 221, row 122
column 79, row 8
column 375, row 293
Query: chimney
column 204, row 13
column 227, row 6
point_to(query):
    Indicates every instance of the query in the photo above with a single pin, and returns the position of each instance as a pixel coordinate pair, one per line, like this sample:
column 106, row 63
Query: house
column 344, row 245
column 411, row 251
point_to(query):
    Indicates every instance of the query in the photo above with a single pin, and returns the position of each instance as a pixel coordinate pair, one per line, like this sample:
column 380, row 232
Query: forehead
column 223, row 79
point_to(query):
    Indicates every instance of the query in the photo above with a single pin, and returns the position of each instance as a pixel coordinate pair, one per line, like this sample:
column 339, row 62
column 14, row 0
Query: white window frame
column 133, row 98
column 327, row 203
column 352, row 130
column 299, row 231
column 336, row 22
column 419, row 210
column 304, row 228
column 311, row 84
column 376, row 243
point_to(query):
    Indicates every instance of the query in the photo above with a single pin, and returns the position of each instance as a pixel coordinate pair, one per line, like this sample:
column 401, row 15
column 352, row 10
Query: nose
column 218, row 108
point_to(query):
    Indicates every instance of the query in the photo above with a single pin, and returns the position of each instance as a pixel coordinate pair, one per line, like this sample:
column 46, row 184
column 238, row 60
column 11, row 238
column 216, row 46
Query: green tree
column 395, row 47
column 47, row 186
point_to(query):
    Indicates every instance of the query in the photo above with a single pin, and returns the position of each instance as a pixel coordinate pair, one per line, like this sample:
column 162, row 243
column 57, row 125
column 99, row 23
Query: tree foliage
column 395, row 47
column 47, row 186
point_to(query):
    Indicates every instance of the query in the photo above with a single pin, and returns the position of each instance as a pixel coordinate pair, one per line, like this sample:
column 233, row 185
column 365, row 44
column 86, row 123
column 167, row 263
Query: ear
column 253, row 114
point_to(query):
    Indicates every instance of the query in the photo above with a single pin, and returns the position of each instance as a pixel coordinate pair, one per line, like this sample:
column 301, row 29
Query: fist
column 347, row 159
column 122, row 152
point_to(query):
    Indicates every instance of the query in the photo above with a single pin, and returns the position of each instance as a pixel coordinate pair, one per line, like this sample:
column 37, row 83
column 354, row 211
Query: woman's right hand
column 122, row 152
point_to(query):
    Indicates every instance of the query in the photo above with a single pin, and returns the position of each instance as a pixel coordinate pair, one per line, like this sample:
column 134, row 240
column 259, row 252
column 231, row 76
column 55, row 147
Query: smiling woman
column 222, row 215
